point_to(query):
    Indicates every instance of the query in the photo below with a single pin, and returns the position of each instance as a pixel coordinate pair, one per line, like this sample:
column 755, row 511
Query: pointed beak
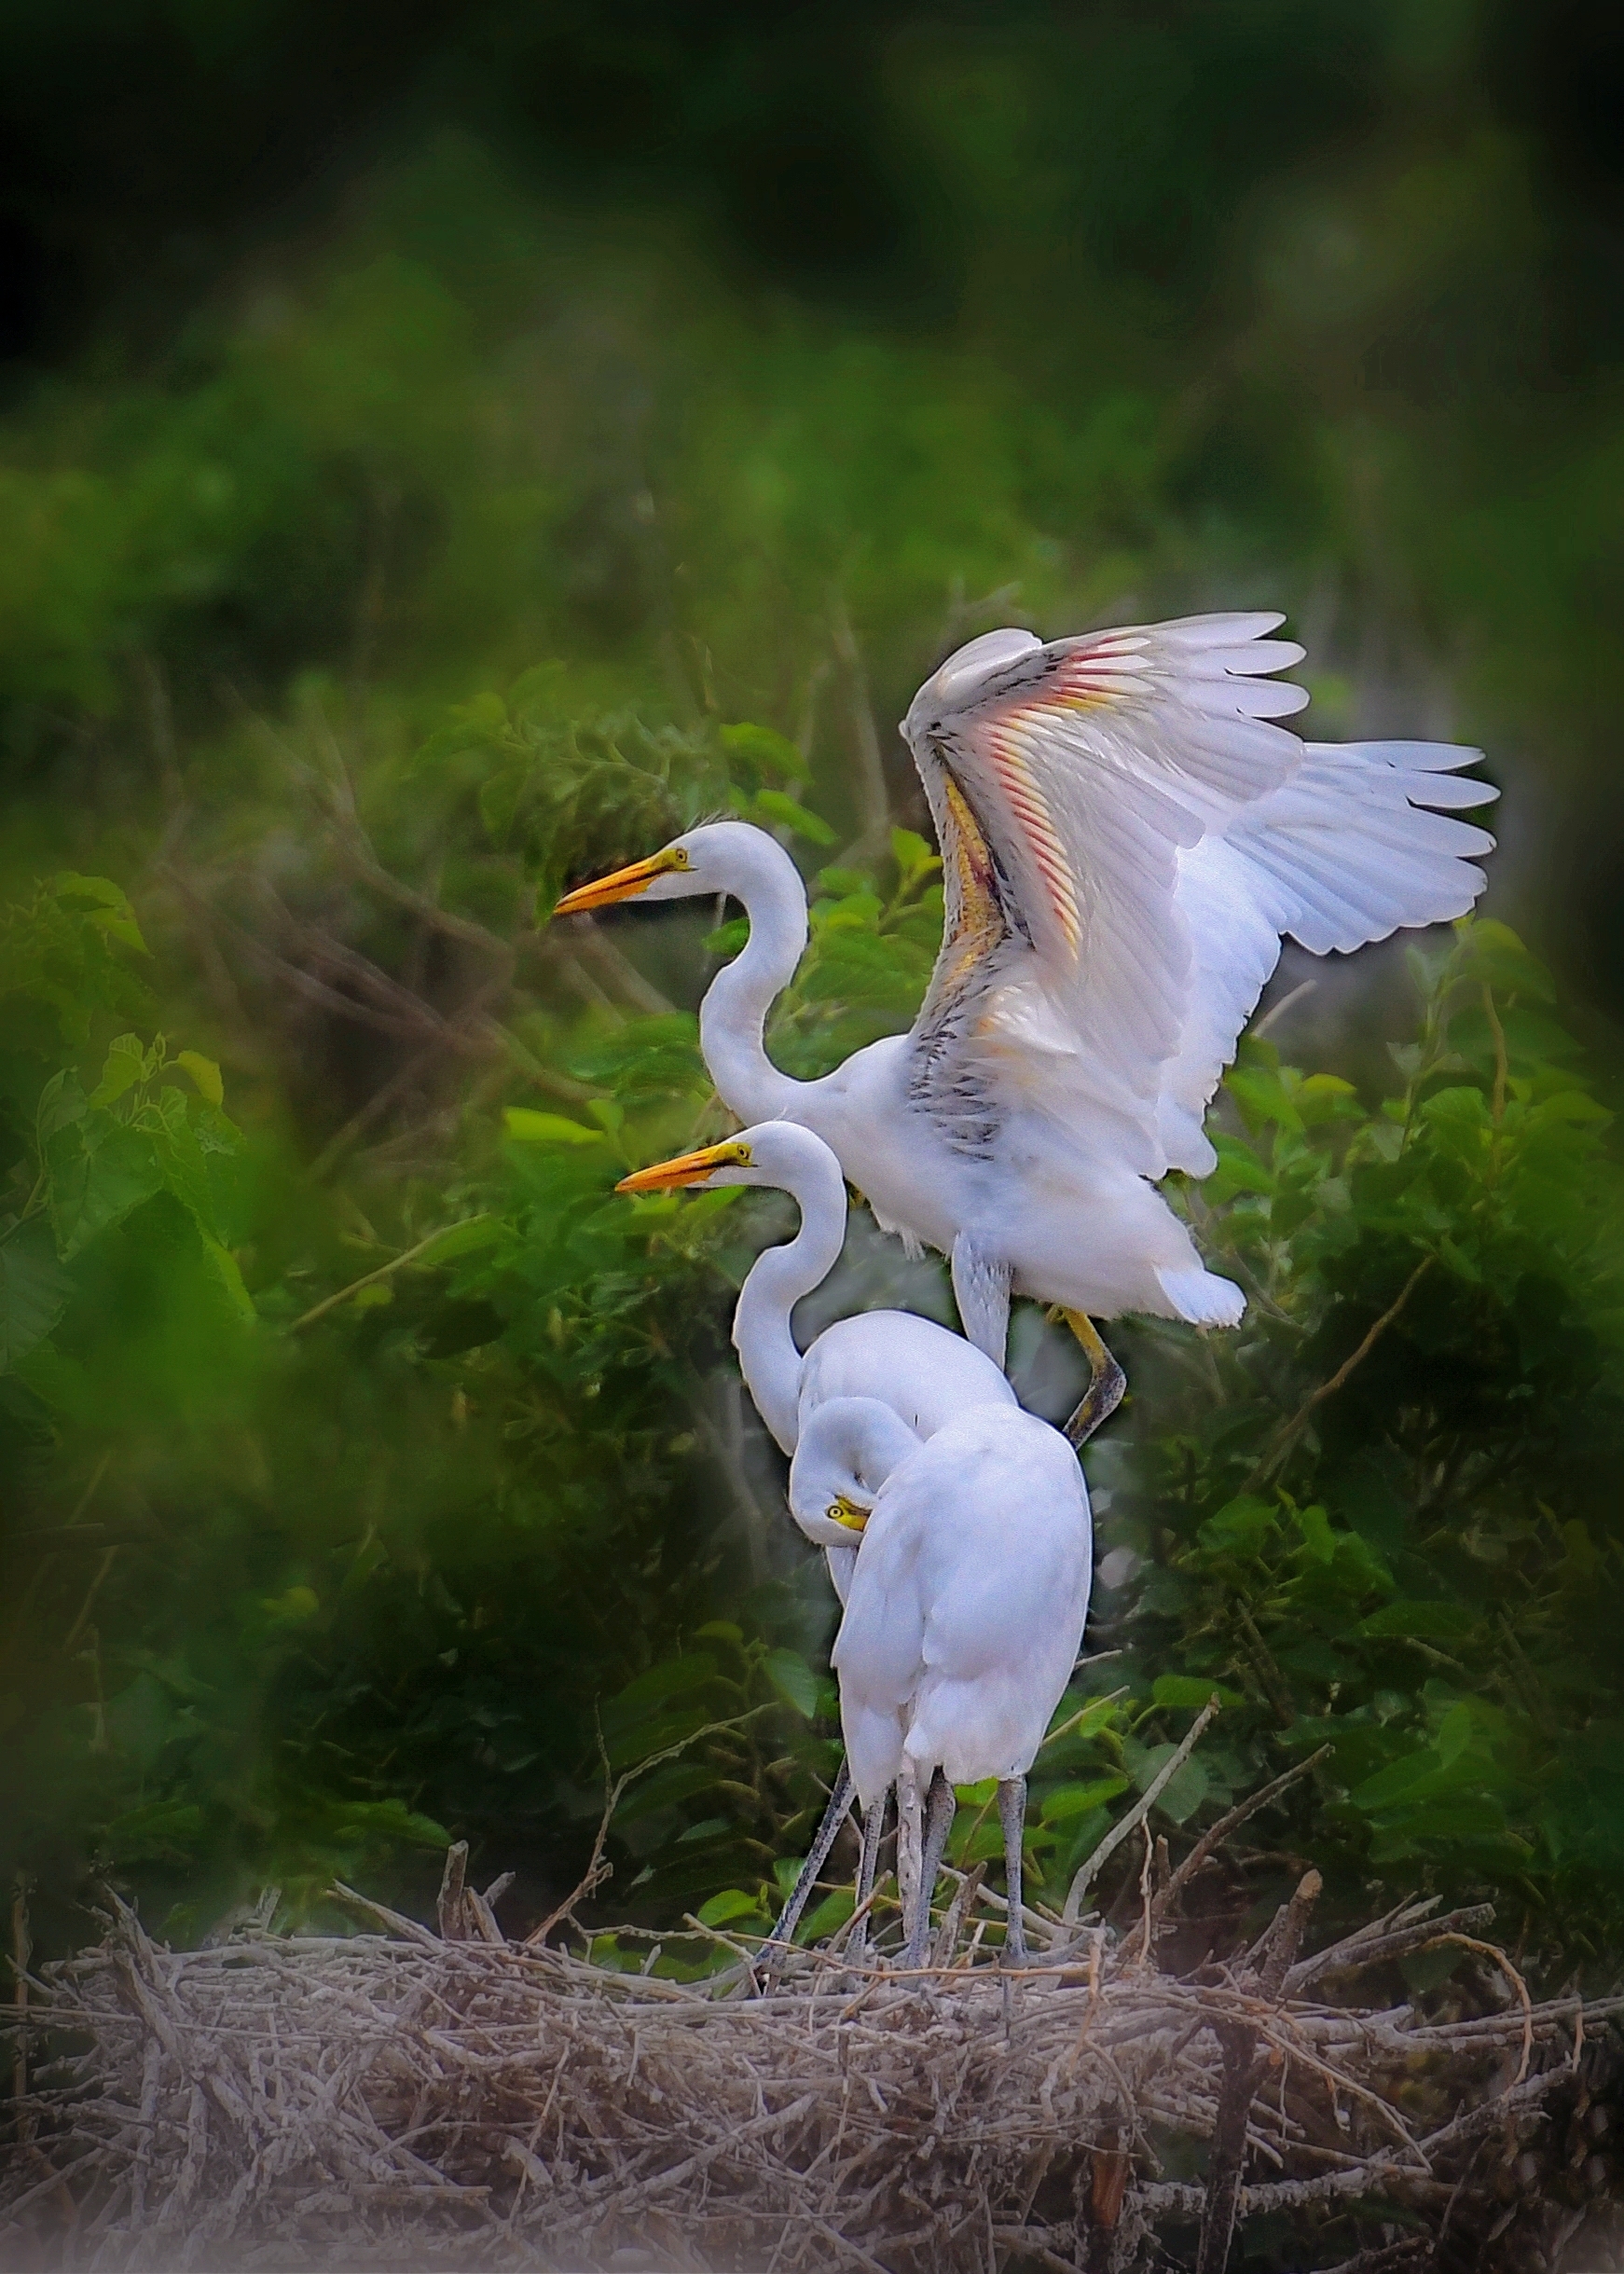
column 622, row 884
column 687, row 1168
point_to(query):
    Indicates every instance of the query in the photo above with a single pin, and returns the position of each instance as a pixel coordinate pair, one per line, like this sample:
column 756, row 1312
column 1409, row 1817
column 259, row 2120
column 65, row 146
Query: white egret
column 926, row 1373
column 965, row 1608
column 907, row 1382
column 1126, row 834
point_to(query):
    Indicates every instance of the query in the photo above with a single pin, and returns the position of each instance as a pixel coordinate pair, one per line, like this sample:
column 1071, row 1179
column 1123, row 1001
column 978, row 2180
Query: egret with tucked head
column 964, row 1604
column 985, row 1618
column 1126, row 834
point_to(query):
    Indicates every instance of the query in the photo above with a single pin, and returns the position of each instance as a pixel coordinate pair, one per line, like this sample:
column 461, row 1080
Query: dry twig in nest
column 453, row 2099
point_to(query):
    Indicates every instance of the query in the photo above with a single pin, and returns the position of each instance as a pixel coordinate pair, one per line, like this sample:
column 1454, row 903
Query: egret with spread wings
column 1127, row 833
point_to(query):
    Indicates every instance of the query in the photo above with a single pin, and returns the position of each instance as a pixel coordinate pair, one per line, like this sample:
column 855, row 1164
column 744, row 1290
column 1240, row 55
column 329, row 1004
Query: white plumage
column 1127, row 834
column 964, row 1611
column 927, row 1375
column 967, row 1587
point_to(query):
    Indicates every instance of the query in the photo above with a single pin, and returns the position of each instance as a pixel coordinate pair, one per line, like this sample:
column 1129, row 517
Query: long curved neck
column 768, row 1356
column 733, row 1016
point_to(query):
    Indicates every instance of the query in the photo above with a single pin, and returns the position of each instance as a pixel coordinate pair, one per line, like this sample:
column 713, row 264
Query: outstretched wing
column 1065, row 781
column 1351, row 848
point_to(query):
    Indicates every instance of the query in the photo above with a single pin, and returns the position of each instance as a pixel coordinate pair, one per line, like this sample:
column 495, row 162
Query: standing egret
column 1126, row 834
column 910, row 1382
column 965, row 1606
column 927, row 1375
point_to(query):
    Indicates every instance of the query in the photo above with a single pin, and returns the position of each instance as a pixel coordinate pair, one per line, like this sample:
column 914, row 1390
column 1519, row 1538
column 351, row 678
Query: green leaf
column 377, row 1822
column 532, row 1128
column 728, row 938
column 113, row 914
column 161, row 1831
column 732, row 1903
column 499, row 797
column 1239, row 1170
column 1185, row 1791
column 773, row 807
column 1325, row 1097
column 181, row 1158
column 466, row 1238
column 126, row 1063
column 1433, row 1621
column 99, row 1170
column 1189, row 1692
column 666, row 1680
column 1068, row 1800
column 33, row 1290
column 827, row 1918
column 1263, row 1099
column 1318, row 1540
column 913, row 856
column 1240, row 1527
column 765, row 748
column 793, row 1679
column 293, row 1607
column 224, row 1267
column 205, row 1075
column 840, row 884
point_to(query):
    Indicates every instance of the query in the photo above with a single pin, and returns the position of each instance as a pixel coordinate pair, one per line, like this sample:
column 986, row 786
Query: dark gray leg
column 834, row 1815
column 874, row 1831
column 1012, row 1816
column 939, row 1815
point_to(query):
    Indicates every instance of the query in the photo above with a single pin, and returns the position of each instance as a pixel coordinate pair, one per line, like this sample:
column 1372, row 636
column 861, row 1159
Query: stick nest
column 412, row 2099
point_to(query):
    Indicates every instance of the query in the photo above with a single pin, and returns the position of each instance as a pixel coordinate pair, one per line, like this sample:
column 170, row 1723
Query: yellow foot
column 1106, row 1382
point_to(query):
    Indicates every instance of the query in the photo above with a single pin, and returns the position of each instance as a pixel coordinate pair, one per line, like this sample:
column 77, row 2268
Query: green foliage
column 368, row 1454
column 420, row 1512
column 1380, row 1513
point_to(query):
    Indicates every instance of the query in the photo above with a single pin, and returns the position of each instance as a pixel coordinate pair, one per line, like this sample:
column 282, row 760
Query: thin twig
column 1277, row 1011
column 1288, row 1433
column 1089, row 1869
column 597, row 1870
column 1212, row 1840
column 384, row 1271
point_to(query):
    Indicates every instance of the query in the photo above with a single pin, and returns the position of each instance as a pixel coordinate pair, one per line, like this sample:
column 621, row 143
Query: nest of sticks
column 404, row 2098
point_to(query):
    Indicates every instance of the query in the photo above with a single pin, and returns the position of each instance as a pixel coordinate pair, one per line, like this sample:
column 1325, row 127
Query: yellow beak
column 847, row 1512
column 687, row 1168
column 621, row 884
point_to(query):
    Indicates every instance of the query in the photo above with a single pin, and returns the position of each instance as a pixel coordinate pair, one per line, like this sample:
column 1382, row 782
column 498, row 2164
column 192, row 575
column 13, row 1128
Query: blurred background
column 419, row 343
column 427, row 433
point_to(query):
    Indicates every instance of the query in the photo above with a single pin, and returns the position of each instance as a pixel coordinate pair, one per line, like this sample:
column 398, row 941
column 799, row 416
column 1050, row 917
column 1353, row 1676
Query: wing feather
column 1349, row 851
column 1081, row 770
column 1128, row 836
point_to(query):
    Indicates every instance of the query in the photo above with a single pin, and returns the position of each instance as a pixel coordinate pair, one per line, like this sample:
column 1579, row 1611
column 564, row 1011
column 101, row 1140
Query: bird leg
column 981, row 1288
column 1012, row 1816
column 938, row 1824
column 910, row 1840
column 1107, row 1380
column 834, row 1815
column 874, row 1831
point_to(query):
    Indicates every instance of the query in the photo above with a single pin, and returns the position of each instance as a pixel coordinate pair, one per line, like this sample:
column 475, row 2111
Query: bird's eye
column 678, row 858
